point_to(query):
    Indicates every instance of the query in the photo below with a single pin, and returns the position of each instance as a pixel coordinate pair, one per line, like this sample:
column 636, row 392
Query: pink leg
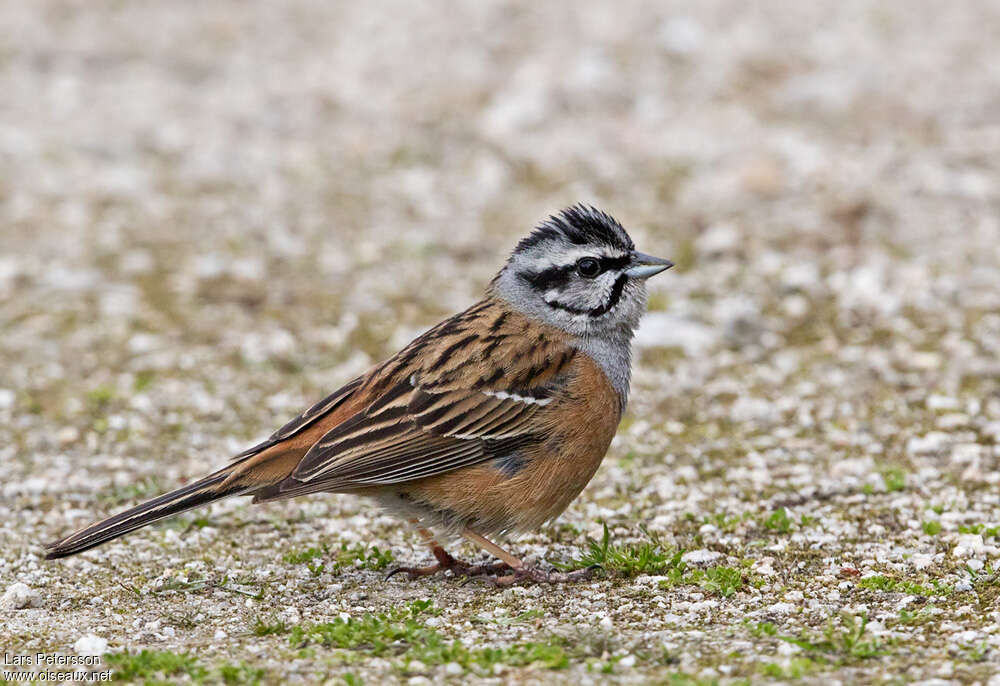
column 445, row 561
column 521, row 571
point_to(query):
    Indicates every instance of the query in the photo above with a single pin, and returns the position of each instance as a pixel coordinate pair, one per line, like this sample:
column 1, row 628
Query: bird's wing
column 422, row 427
column 421, row 434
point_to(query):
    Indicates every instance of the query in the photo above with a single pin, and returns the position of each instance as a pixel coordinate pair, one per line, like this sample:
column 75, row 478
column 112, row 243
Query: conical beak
column 644, row 266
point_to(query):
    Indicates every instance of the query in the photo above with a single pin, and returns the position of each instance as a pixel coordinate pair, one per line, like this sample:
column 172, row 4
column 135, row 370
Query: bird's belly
column 486, row 499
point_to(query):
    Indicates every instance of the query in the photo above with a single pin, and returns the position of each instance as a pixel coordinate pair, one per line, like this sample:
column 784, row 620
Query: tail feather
column 206, row 490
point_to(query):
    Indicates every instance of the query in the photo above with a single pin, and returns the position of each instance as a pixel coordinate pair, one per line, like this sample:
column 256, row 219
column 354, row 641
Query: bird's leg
column 493, row 549
column 519, row 571
column 445, row 561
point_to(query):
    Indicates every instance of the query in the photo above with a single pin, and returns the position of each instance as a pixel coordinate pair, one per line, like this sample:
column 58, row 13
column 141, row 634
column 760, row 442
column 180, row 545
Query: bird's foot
column 447, row 563
column 530, row 573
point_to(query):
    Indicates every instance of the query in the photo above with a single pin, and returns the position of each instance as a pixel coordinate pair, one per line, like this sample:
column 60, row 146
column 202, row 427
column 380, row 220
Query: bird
column 487, row 425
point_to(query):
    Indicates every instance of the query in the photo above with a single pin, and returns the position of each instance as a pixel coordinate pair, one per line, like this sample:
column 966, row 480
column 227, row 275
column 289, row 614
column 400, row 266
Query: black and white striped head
column 579, row 271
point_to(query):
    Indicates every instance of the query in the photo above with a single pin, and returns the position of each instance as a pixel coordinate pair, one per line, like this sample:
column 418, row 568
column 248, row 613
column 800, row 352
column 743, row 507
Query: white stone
column 929, row 443
column 142, row 343
column 802, row 276
column 952, row 421
column 67, row 435
column 90, row 645
column 785, row 648
column 876, row 628
column 19, row 596
column 764, row 567
column 942, row 402
column 6, row 398
column 795, row 305
column 968, row 637
column 971, row 542
column 702, row 556
column 925, row 360
column 965, row 453
column 781, row 608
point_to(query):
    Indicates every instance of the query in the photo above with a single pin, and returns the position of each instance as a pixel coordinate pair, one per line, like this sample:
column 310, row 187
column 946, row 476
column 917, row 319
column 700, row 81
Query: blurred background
column 213, row 213
column 307, row 181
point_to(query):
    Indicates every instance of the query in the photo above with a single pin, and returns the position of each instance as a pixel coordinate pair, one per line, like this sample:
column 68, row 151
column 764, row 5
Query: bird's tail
column 212, row 487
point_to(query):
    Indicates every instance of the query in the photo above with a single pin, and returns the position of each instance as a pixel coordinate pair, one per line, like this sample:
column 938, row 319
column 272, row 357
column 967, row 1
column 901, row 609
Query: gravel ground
column 213, row 213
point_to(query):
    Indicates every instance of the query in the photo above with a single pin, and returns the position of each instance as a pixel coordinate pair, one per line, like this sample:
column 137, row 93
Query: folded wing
column 418, row 430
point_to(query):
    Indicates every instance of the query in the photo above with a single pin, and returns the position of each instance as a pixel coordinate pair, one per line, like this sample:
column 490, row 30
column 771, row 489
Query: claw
column 414, row 572
column 457, row 567
column 536, row 575
column 393, row 572
column 490, row 581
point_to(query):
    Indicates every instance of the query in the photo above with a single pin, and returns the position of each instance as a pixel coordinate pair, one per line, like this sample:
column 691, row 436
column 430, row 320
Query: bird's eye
column 588, row 267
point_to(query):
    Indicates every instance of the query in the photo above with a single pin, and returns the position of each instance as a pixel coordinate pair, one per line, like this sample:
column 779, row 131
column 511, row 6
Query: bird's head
column 579, row 271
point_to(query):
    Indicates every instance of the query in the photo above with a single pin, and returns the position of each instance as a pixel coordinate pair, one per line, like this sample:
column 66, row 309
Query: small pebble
column 90, row 644
column 19, row 596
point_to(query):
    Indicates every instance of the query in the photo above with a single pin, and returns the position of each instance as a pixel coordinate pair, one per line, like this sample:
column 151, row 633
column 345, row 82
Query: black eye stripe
column 608, row 263
column 557, row 277
column 553, row 277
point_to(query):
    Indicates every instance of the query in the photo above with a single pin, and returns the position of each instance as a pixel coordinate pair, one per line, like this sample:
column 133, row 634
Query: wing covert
column 418, row 430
